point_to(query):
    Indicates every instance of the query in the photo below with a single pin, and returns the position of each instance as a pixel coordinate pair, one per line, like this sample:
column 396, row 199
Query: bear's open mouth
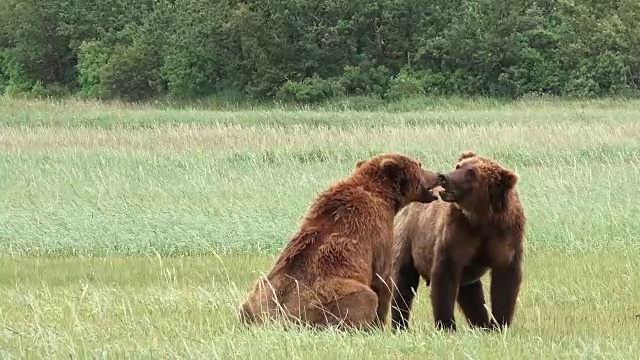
column 427, row 196
column 447, row 195
column 431, row 196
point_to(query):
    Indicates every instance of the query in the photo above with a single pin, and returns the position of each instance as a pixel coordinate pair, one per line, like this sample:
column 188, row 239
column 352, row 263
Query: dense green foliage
column 310, row 51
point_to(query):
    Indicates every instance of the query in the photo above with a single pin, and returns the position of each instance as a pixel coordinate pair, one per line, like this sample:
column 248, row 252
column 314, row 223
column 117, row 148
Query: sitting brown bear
column 478, row 226
column 336, row 269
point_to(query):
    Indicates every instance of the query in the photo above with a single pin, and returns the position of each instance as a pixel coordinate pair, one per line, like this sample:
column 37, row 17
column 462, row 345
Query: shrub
column 310, row 90
column 131, row 74
column 92, row 57
column 13, row 78
column 365, row 80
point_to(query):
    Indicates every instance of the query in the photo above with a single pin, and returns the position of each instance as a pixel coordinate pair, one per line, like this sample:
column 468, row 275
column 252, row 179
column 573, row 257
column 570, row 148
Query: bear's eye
column 457, row 166
column 470, row 175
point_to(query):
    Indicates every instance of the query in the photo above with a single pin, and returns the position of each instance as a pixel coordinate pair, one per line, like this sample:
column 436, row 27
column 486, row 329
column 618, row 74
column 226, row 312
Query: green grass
column 134, row 231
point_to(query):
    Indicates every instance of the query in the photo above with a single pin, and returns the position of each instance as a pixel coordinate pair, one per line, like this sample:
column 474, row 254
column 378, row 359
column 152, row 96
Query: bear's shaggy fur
column 478, row 226
column 336, row 269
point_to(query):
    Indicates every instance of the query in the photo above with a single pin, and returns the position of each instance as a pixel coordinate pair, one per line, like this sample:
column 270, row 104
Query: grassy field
column 135, row 231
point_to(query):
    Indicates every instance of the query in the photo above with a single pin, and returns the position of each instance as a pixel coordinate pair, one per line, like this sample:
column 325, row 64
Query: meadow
column 135, row 230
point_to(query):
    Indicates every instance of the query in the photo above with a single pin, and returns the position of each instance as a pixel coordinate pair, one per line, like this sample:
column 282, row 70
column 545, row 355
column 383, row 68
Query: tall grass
column 132, row 228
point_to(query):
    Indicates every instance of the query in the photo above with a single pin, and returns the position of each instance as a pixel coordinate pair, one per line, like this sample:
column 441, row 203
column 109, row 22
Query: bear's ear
column 498, row 192
column 466, row 155
column 393, row 170
column 510, row 179
column 390, row 167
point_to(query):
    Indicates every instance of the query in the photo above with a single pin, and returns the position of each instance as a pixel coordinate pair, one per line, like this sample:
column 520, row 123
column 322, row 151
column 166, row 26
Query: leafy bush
column 310, row 90
column 131, row 74
column 406, row 84
column 606, row 74
column 326, row 48
column 13, row 78
column 92, row 57
column 365, row 80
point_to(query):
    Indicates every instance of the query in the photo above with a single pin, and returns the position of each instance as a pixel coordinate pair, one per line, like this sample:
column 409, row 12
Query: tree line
column 310, row 51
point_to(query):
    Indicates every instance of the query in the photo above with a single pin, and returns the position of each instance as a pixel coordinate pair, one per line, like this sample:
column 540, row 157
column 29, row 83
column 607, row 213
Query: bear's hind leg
column 471, row 301
column 406, row 280
column 261, row 305
column 354, row 306
column 382, row 288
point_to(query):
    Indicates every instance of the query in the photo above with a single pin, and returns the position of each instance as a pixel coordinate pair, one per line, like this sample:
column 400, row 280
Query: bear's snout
column 442, row 179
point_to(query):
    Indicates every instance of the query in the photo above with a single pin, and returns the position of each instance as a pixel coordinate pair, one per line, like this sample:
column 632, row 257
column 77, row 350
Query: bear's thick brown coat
column 479, row 226
column 336, row 269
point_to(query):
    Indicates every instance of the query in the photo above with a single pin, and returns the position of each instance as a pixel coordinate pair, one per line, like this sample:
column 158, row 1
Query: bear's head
column 403, row 175
column 477, row 182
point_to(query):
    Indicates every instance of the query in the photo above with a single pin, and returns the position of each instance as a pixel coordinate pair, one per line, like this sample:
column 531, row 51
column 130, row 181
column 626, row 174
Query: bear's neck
column 480, row 217
column 343, row 198
column 385, row 193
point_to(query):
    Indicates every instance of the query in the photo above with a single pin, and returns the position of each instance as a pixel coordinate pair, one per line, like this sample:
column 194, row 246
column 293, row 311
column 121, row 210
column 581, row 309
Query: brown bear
column 335, row 270
column 478, row 225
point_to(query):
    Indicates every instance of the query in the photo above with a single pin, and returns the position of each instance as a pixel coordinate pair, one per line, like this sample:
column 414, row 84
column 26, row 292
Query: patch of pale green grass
column 128, row 229
column 571, row 306
column 186, row 189
column 78, row 113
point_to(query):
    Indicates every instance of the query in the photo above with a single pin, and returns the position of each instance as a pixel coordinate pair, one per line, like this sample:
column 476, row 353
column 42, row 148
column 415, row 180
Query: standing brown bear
column 336, row 269
column 478, row 226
